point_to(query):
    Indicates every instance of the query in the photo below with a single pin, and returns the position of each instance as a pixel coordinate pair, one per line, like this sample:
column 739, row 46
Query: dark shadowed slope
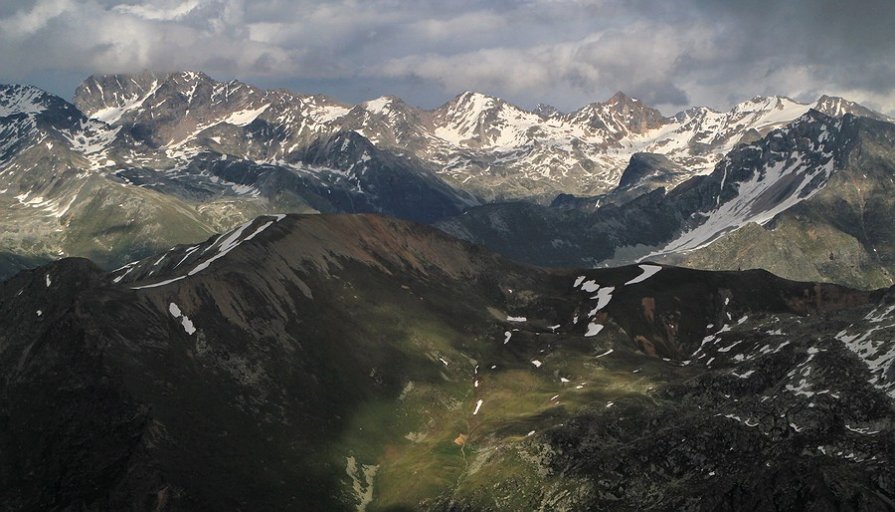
column 360, row 362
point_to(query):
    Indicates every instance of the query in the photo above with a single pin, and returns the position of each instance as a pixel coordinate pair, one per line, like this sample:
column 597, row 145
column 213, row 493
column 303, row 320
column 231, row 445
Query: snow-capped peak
column 763, row 112
column 470, row 106
column 390, row 107
column 835, row 106
column 619, row 116
column 21, row 99
column 546, row 111
column 380, row 105
column 474, row 119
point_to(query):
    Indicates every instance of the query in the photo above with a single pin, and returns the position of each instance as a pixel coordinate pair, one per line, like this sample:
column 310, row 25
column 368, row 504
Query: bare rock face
column 649, row 171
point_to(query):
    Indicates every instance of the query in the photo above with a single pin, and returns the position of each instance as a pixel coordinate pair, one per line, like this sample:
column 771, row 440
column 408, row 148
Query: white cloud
column 67, row 34
column 567, row 52
column 27, row 22
column 172, row 11
column 599, row 64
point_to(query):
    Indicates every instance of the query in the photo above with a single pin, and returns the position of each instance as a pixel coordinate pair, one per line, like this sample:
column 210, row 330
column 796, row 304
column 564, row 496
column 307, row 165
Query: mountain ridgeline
column 479, row 144
column 317, row 362
column 140, row 163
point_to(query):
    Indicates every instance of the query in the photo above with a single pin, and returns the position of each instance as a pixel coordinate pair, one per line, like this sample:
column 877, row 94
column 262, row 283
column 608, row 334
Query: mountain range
column 360, row 362
column 477, row 143
column 139, row 163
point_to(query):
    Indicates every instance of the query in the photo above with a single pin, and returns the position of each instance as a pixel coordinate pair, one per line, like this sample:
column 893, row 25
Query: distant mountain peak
column 472, row 100
column 621, row 97
column 544, row 110
column 192, row 75
column 620, row 115
column 836, row 106
column 470, row 94
column 384, row 104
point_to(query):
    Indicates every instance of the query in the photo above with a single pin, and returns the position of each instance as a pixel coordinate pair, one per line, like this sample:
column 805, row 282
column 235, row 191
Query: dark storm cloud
column 665, row 93
column 565, row 52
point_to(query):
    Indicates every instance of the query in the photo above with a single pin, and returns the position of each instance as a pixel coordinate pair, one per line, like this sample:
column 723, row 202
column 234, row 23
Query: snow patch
column 245, row 117
column 756, row 201
column 603, row 297
column 590, row 286
column 593, row 329
column 362, row 478
column 113, row 113
column 21, row 100
column 225, row 246
column 187, row 324
column 873, row 347
column 155, row 285
column 648, row 272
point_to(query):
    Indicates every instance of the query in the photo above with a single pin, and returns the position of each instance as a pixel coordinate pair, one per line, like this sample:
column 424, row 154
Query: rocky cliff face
column 316, row 363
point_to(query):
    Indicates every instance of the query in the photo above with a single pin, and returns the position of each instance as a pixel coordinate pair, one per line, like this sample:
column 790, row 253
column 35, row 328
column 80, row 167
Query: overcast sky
column 671, row 54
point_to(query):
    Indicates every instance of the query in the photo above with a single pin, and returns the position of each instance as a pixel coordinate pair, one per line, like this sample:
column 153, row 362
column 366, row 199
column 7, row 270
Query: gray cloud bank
column 563, row 52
